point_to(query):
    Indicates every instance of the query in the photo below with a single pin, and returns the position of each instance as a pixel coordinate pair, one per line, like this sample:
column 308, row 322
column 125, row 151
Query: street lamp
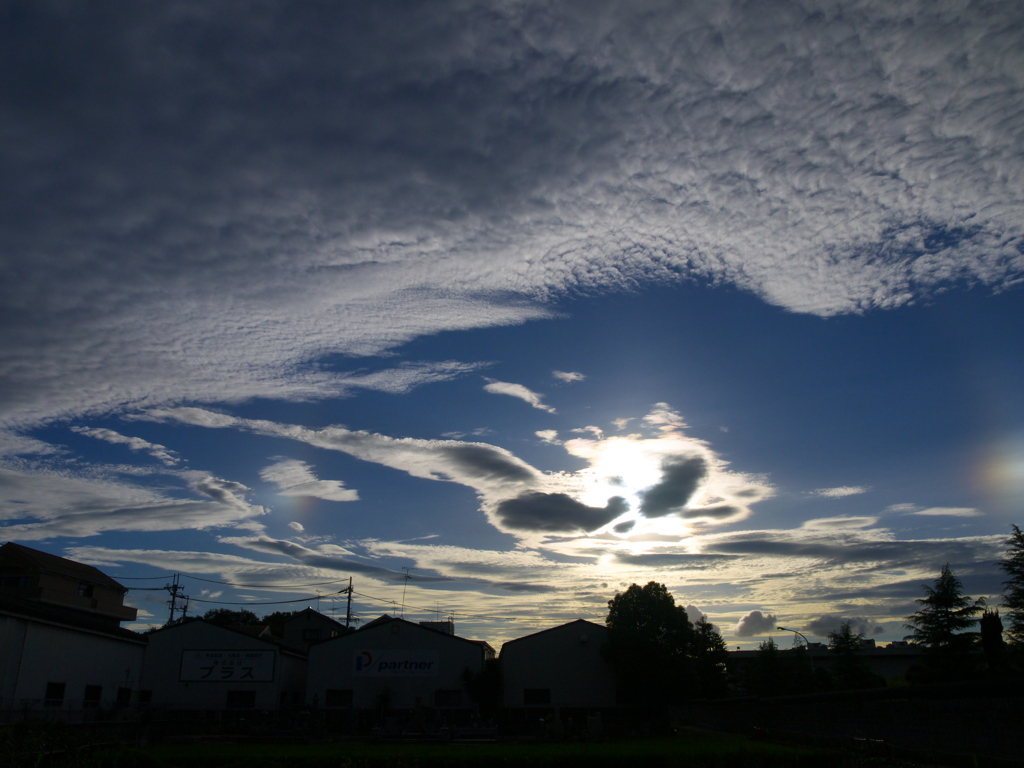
column 787, row 629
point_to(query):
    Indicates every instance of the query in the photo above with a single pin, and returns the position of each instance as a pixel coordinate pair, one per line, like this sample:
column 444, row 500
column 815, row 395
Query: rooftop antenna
column 406, row 586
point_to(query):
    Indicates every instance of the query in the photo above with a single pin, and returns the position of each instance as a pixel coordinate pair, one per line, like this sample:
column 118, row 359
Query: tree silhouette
column 709, row 656
column 992, row 644
column 225, row 617
column 941, row 625
column 850, row 669
column 1013, row 598
column 649, row 638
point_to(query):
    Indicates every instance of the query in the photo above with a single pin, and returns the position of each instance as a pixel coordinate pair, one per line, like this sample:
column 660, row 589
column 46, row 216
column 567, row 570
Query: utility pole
column 348, row 611
column 406, row 586
column 175, row 589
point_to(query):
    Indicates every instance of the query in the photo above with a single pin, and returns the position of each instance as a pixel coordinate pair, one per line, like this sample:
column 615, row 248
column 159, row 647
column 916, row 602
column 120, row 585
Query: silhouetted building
column 196, row 665
column 308, row 627
column 392, row 664
column 62, row 649
column 558, row 667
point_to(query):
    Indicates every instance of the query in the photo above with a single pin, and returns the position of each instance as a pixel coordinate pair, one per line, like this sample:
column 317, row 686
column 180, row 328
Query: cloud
column 948, row 512
column 840, row 492
column 832, row 623
column 568, row 377
column 408, row 376
column 296, row 526
column 45, row 505
column 556, row 513
column 756, row 623
column 827, row 523
column 517, row 390
column 549, row 436
column 359, row 179
column 680, row 479
column 159, row 452
column 294, row 478
column 673, row 560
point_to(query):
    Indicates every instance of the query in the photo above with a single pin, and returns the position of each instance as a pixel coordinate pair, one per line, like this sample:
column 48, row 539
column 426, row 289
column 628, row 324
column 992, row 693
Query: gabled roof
column 255, row 632
column 310, row 612
column 585, row 624
column 385, row 619
column 34, row 559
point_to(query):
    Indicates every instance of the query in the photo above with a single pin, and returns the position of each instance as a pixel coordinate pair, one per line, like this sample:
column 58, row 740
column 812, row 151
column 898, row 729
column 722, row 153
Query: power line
column 272, row 602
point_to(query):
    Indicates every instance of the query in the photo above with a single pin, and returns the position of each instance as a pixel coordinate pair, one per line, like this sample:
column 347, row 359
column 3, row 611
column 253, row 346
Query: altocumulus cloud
column 363, row 174
column 294, row 478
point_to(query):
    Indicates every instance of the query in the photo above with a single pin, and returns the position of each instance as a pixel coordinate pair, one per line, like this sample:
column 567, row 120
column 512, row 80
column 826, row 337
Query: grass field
column 693, row 750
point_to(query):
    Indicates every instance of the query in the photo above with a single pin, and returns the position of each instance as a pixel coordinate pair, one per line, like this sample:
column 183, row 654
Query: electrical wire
column 273, row 602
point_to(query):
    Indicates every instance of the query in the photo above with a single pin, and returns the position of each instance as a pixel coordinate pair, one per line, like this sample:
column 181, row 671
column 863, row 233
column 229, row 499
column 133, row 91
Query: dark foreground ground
column 40, row 746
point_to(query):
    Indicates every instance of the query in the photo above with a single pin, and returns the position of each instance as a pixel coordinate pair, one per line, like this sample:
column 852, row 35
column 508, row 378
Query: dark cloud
column 624, row 527
column 556, row 513
column 756, row 623
column 832, row 622
column 680, row 478
column 486, row 462
column 848, row 548
column 718, row 512
column 666, row 560
column 332, row 562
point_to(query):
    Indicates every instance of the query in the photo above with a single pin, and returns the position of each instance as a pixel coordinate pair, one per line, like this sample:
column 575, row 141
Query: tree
column 709, row 655
column 992, row 644
column 941, row 625
column 225, row 617
column 850, row 669
column 649, row 639
column 1013, row 598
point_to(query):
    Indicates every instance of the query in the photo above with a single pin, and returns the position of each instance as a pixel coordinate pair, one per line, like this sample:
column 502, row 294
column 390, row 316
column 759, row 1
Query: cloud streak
column 363, row 176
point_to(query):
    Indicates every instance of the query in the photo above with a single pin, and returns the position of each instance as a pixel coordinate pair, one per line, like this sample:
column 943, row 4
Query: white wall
column 565, row 660
column 417, row 663
column 162, row 672
column 34, row 653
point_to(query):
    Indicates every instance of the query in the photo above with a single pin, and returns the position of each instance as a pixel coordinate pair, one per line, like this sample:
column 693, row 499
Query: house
column 308, row 627
column 63, row 651
column 44, row 578
column 395, row 665
column 197, row 665
column 558, row 667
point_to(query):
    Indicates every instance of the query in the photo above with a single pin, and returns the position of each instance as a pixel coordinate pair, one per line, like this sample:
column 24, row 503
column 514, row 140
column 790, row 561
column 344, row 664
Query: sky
column 497, row 308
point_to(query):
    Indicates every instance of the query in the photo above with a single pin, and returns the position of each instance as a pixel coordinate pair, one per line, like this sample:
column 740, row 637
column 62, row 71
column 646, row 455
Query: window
column 84, row 589
column 451, row 698
column 536, row 696
column 338, row 698
column 54, row 695
column 145, row 697
column 93, row 694
column 241, row 699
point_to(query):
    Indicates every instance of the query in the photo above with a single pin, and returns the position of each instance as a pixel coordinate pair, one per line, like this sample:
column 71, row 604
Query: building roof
column 257, row 632
column 34, row 559
column 587, row 624
column 33, row 610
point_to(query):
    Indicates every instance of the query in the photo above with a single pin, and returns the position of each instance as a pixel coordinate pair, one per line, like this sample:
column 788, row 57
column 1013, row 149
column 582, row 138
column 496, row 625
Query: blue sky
column 503, row 307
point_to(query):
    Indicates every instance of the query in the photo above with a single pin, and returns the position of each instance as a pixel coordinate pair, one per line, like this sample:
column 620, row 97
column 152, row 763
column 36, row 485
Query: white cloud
column 756, row 623
column 948, row 512
column 548, row 435
column 840, row 492
column 294, row 478
column 45, row 505
column 519, row 391
column 155, row 450
column 296, row 526
column 568, row 377
column 829, row 523
column 408, row 376
column 861, row 161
